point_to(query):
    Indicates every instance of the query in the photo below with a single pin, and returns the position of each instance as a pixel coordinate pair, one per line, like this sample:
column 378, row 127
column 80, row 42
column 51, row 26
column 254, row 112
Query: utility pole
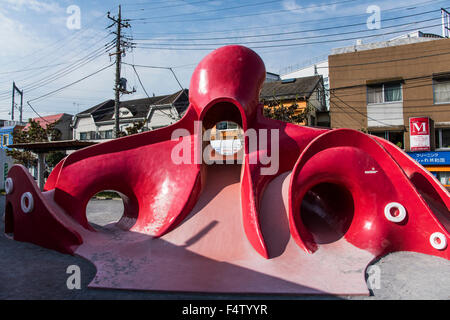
column 14, row 90
column 120, row 43
column 445, row 16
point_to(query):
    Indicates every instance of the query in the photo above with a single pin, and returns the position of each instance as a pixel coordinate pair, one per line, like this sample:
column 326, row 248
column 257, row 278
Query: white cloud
column 35, row 5
column 296, row 8
column 15, row 37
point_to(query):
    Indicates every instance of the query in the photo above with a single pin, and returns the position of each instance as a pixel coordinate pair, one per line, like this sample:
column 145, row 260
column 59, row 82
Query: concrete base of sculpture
column 209, row 252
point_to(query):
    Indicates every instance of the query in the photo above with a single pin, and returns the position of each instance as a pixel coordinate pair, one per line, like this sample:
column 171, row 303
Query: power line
column 73, row 68
column 36, row 68
column 404, row 110
column 356, row 110
column 152, row 2
column 67, row 70
column 193, row 48
column 294, row 39
column 220, row 17
column 265, row 27
column 213, row 10
column 405, row 79
column 60, row 43
column 170, row 116
column 70, row 84
column 298, row 31
column 81, row 50
column 60, row 89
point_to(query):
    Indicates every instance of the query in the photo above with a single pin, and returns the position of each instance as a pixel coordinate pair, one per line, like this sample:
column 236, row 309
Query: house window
column 396, row 137
column 221, row 125
column 441, row 90
column 227, row 125
column 443, row 138
column 90, row 135
column 5, row 140
column 383, row 93
column 108, row 134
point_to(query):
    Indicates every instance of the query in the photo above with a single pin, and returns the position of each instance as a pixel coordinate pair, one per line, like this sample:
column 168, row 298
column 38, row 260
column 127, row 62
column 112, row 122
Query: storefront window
column 443, row 177
column 381, row 134
column 396, row 137
column 442, row 138
column 445, row 138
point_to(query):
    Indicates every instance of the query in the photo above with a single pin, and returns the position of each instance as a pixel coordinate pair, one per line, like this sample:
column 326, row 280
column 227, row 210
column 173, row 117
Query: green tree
column 35, row 133
column 53, row 158
column 278, row 111
column 135, row 128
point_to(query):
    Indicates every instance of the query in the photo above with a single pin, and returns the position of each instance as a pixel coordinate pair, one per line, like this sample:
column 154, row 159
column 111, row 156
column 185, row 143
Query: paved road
column 31, row 272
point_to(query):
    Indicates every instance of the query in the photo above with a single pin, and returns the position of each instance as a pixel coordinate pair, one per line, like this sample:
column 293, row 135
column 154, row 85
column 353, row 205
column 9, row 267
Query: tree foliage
column 278, row 111
column 135, row 128
column 35, row 133
column 53, row 158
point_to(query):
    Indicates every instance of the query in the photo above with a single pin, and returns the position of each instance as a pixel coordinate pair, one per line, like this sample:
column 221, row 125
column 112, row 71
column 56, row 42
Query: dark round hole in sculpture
column 223, row 135
column 103, row 209
column 9, row 219
column 327, row 212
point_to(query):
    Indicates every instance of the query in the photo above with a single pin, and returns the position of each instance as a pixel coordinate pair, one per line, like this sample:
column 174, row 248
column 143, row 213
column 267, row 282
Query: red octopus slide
column 335, row 200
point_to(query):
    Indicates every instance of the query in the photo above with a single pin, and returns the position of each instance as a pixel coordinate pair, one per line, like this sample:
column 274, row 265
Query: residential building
column 7, row 123
column 227, row 137
column 272, row 77
column 62, row 127
column 97, row 123
column 62, row 131
column 7, row 133
column 382, row 88
column 318, row 68
column 305, row 92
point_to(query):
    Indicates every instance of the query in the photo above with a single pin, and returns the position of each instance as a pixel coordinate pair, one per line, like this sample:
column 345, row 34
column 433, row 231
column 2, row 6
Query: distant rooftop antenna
column 445, row 23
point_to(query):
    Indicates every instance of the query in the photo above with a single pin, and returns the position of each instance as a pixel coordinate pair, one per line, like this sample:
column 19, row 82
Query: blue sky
column 41, row 54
